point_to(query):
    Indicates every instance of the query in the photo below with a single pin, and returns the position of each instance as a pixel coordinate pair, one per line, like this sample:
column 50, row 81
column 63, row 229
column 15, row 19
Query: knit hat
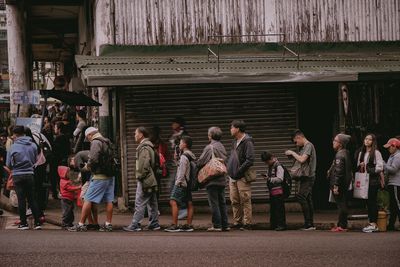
column 344, row 139
column 91, row 130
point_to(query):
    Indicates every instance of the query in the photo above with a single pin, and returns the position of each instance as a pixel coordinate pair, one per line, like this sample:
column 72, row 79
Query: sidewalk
column 324, row 220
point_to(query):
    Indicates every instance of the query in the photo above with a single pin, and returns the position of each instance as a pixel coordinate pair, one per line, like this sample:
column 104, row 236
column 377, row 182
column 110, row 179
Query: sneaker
column 280, row 228
column 37, row 226
column 28, row 212
column 370, row 228
column 173, row 229
column 237, row 226
column 77, row 228
column 245, row 227
column 23, row 227
column 153, row 228
column 132, row 228
column 95, row 227
column 106, row 228
column 338, row 229
column 187, row 228
column 308, row 228
column 226, row 229
column 212, row 229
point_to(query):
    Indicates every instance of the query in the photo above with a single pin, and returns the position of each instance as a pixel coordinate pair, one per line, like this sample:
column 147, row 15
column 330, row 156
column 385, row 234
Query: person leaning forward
column 240, row 160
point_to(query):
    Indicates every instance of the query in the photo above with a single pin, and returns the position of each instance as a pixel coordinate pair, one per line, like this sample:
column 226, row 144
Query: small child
column 70, row 190
column 275, row 176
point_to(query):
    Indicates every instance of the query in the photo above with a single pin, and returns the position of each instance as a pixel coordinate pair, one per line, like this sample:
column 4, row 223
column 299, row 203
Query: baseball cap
column 91, row 130
column 392, row 142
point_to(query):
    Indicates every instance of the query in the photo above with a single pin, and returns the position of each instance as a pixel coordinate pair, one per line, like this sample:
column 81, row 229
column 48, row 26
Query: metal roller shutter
column 268, row 110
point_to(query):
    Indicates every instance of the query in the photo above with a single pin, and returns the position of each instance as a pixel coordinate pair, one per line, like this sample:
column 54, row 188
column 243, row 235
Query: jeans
column 216, row 200
column 277, row 213
column 372, row 203
column 142, row 201
column 341, row 203
column 240, row 195
column 24, row 187
column 67, row 207
column 394, row 192
column 304, row 197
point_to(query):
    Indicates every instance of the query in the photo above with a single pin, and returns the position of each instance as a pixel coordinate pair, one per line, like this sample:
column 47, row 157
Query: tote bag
column 214, row 168
column 361, row 185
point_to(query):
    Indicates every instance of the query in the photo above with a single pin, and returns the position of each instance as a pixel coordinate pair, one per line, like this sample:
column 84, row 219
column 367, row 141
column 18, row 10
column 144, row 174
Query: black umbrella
column 70, row 98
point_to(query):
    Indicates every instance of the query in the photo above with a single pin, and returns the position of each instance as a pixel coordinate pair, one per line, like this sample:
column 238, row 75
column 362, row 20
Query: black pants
column 341, row 202
column 40, row 191
column 372, row 203
column 24, row 187
column 67, row 207
column 216, row 200
column 394, row 192
column 304, row 197
column 277, row 215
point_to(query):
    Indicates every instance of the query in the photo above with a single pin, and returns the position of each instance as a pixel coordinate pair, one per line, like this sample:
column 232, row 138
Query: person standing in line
column 21, row 160
column 146, row 190
column 369, row 160
column 101, row 187
column 240, row 160
column 181, row 192
column 275, row 176
column 215, row 187
column 305, row 155
column 79, row 132
column 392, row 170
column 340, row 177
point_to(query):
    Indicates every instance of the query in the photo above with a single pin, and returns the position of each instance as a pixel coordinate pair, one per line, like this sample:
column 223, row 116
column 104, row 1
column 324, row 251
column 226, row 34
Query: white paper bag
column 331, row 197
column 361, row 184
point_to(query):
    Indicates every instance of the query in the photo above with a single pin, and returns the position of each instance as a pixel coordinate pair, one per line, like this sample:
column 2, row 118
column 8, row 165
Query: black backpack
column 287, row 182
column 109, row 160
column 192, row 182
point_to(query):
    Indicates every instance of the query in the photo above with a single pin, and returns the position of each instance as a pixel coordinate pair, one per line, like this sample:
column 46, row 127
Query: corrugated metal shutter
column 268, row 110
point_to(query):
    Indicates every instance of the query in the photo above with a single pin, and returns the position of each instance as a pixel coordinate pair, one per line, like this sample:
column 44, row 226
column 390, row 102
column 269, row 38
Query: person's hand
column 289, row 153
column 335, row 190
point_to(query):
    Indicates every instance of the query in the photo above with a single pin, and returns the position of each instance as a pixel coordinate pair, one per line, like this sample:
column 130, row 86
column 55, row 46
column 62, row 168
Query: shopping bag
column 331, row 197
column 214, row 168
column 361, row 185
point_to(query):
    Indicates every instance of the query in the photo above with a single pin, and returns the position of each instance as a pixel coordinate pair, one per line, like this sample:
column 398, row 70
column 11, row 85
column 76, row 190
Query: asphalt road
column 251, row 248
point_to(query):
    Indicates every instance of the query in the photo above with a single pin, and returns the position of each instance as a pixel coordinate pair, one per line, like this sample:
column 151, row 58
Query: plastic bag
column 383, row 199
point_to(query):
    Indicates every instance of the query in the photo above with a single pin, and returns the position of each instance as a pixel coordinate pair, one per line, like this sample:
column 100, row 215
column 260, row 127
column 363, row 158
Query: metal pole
column 43, row 111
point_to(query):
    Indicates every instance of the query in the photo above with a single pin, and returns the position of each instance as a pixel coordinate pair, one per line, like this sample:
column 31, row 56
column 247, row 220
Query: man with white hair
column 101, row 187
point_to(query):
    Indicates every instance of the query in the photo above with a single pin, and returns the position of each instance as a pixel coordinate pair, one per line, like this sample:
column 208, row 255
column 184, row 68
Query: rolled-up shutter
column 268, row 110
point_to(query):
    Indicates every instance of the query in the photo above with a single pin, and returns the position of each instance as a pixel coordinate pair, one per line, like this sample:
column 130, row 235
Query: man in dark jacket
column 240, row 160
column 340, row 177
column 21, row 159
column 216, row 186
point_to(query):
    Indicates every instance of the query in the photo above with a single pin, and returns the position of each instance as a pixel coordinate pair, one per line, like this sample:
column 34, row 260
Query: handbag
column 214, row 168
column 331, row 197
column 250, row 175
column 361, row 185
column 300, row 170
column 10, row 181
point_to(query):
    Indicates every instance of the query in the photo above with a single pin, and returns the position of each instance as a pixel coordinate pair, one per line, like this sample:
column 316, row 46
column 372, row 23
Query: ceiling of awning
column 136, row 71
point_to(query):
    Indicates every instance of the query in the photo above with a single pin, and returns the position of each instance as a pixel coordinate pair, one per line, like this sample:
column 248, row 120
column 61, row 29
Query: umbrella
column 70, row 98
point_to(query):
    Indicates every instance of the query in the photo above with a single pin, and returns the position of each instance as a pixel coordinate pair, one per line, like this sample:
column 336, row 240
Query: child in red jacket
column 70, row 191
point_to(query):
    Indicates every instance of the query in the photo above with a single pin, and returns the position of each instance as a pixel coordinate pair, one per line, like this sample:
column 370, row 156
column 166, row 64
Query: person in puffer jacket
column 69, row 191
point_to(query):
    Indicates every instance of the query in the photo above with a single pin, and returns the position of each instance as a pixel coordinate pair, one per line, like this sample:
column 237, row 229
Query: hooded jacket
column 67, row 189
column 22, row 156
column 340, row 172
column 241, row 157
column 95, row 163
column 219, row 152
column 145, row 162
column 183, row 171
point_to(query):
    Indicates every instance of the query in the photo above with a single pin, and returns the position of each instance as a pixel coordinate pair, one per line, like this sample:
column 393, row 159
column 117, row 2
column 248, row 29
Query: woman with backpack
column 215, row 187
column 369, row 160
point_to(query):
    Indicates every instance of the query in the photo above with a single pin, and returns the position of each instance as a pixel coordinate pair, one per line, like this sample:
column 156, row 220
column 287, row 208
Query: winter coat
column 340, row 172
column 241, row 157
column 67, row 189
column 219, row 152
column 22, row 156
column 145, row 162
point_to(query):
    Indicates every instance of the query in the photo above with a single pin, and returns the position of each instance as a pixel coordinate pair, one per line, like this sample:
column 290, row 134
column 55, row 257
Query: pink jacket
column 67, row 190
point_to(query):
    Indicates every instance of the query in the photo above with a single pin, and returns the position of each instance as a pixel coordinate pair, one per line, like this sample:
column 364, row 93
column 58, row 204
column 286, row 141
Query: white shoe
column 28, row 212
column 370, row 228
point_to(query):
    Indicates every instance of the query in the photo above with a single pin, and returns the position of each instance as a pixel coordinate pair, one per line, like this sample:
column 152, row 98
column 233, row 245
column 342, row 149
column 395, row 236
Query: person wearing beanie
column 340, row 176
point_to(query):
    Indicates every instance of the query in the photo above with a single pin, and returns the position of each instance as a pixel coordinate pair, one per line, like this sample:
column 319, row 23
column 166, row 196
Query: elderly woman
column 215, row 187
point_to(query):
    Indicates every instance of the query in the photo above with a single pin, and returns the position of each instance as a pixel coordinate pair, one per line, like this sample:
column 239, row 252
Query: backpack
column 109, row 160
column 155, row 162
column 287, row 182
column 192, row 182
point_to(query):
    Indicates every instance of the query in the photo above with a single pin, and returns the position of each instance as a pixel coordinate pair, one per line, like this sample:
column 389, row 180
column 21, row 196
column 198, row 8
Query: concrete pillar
column 18, row 64
column 103, row 35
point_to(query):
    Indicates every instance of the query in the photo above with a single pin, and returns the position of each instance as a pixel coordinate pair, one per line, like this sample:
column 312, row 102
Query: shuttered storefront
column 268, row 110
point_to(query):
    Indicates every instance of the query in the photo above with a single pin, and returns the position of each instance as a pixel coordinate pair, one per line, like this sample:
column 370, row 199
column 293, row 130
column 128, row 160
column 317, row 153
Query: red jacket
column 67, row 190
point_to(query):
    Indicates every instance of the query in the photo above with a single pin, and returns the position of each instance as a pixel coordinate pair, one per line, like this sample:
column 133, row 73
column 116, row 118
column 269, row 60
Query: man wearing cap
column 101, row 187
column 392, row 170
column 340, row 177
